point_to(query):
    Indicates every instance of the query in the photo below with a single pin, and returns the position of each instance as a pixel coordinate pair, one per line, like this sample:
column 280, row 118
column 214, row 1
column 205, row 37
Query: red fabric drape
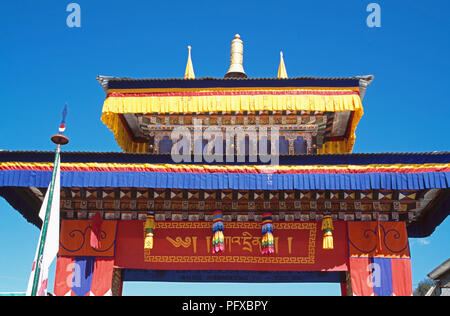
column 401, row 277
column 379, row 260
column 63, row 276
column 99, row 284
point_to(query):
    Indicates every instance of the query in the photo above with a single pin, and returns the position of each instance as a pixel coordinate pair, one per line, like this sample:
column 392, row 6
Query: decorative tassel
column 149, row 230
column 218, row 238
column 327, row 228
column 267, row 244
column 96, row 229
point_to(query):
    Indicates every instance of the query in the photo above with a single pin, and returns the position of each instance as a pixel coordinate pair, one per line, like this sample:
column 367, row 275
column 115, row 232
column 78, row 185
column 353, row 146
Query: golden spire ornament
column 236, row 69
column 282, row 73
column 189, row 73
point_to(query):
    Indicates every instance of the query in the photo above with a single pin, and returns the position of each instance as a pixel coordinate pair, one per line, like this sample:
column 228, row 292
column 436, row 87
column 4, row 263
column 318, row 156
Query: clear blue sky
column 44, row 63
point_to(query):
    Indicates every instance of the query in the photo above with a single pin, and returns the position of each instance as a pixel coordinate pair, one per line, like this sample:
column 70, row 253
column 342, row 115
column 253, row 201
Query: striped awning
column 353, row 173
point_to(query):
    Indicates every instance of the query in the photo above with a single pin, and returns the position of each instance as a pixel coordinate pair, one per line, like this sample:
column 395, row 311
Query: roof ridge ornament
column 189, row 72
column 236, row 69
column 282, row 73
column 364, row 82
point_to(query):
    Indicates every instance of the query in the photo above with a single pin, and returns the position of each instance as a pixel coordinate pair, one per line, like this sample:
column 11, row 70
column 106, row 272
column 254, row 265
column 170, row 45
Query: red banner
column 383, row 239
column 187, row 246
column 75, row 236
column 379, row 259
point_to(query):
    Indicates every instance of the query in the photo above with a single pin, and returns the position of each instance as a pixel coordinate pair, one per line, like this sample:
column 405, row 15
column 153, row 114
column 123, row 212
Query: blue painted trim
column 223, row 181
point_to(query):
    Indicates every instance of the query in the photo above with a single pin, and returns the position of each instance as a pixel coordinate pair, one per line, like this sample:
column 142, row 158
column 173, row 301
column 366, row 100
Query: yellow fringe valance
column 338, row 147
column 122, row 136
column 114, row 106
column 229, row 103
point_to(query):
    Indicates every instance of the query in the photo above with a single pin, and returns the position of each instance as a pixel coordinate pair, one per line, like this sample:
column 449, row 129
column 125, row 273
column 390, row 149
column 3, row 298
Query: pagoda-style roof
column 408, row 187
column 110, row 83
column 324, row 112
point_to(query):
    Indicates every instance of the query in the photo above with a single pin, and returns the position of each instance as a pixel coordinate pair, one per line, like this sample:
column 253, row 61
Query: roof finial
column 189, row 73
column 237, row 59
column 282, row 73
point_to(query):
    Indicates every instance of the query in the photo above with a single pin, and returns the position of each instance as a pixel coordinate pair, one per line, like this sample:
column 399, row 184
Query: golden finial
column 282, row 73
column 236, row 69
column 189, row 73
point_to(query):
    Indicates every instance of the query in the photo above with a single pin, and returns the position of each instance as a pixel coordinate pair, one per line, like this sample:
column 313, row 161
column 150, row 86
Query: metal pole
column 59, row 139
column 45, row 224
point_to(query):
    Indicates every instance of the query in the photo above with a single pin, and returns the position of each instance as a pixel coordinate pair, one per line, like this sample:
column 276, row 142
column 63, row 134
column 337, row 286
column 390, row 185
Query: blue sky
column 44, row 63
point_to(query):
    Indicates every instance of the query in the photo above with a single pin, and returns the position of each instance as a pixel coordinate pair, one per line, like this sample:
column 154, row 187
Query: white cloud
column 424, row 241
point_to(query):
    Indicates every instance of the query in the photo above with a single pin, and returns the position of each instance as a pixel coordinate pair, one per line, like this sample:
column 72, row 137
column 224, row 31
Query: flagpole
column 59, row 140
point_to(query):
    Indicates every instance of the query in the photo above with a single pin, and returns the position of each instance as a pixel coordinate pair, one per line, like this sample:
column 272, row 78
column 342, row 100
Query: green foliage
column 423, row 287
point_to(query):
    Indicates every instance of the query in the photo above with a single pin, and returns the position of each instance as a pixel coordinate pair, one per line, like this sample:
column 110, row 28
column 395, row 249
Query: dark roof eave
column 109, row 82
column 323, row 159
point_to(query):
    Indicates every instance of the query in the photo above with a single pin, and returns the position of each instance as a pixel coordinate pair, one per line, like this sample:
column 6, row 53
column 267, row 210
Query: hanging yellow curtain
column 227, row 100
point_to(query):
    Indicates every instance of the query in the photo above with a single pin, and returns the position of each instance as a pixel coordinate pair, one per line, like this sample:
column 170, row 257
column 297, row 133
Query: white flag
column 52, row 238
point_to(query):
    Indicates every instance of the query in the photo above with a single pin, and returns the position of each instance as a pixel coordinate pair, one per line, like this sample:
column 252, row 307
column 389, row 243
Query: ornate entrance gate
column 320, row 214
